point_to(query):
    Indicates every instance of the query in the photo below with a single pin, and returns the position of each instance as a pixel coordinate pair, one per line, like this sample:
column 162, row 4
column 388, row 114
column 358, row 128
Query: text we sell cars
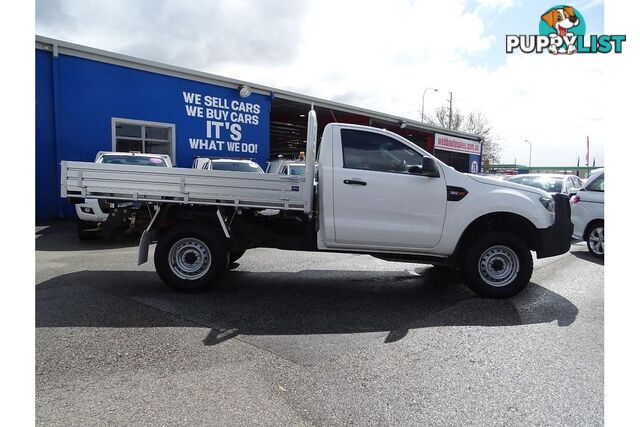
column 529, row 43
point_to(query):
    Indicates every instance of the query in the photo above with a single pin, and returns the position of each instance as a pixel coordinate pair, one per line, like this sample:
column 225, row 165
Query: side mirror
column 429, row 167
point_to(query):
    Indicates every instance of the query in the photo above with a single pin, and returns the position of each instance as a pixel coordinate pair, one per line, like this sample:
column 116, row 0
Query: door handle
column 354, row 182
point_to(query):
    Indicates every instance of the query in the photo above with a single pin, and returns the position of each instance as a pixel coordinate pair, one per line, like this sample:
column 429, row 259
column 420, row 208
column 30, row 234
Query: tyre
column 236, row 255
column 595, row 239
column 191, row 257
column 497, row 265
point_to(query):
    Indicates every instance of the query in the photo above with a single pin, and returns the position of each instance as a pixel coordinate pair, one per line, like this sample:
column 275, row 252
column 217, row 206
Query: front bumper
column 556, row 239
column 97, row 212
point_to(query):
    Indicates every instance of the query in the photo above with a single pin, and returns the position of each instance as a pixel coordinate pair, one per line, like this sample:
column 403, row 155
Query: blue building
column 88, row 100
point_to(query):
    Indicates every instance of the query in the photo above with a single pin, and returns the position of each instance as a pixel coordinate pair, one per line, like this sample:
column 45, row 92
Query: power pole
column 450, row 108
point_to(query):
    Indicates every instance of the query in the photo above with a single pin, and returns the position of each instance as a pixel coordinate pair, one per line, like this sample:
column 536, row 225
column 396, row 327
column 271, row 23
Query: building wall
column 47, row 192
column 79, row 99
column 76, row 100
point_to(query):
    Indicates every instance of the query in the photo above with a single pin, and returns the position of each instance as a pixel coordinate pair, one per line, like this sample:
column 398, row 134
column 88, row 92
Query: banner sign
column 474, row 163
column 227, row 125
column 459, row 145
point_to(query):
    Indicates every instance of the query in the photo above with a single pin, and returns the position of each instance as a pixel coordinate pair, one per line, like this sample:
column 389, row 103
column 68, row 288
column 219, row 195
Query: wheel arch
column 498, row 221
column 203, row 216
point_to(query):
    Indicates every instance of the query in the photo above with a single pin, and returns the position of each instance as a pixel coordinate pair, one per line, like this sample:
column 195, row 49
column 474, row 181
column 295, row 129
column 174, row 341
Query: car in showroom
column 587, row 213
column 551, row 183
column 91, row 214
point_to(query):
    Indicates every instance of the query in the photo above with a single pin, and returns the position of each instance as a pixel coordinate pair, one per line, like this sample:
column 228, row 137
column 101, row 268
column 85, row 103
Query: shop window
column 458, row 161
column 144, row 137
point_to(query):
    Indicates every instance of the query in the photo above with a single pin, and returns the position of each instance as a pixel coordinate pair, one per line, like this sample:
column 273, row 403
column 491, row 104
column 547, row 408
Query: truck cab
column 363, row 169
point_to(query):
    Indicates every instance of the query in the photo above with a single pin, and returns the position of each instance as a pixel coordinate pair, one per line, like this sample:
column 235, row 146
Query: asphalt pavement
column 294, row 338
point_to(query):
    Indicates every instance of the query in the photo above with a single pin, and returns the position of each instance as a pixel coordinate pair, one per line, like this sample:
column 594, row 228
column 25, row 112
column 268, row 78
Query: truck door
column 380, row 198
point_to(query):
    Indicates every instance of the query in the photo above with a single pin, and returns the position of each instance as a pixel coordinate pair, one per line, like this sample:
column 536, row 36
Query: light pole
column 526, row 140
column 424, row 92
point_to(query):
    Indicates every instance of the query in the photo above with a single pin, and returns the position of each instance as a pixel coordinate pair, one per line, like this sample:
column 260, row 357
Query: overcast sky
column 376, row 55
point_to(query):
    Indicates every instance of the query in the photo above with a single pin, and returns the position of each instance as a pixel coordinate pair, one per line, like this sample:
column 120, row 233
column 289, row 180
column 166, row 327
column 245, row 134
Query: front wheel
column 497, row 265
column 191, row 257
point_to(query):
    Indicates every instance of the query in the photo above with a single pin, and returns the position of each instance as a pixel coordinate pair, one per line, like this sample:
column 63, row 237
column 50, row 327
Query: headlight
column 548, row 203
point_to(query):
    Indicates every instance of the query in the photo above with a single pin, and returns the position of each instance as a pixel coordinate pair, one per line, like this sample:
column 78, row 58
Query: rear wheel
column 191, row 257
column 497, row 265
column 595, row 239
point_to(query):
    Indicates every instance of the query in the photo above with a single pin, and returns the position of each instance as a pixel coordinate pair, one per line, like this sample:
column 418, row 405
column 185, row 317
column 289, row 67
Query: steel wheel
column 498, row 266
column 189, row 258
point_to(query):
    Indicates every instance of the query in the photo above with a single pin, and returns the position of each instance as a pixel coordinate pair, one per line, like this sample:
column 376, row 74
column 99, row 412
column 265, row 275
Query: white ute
column 90, row 214
column 376, row 193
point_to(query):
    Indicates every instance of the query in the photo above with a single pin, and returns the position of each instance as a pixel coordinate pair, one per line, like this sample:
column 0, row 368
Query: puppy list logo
column 562, row 31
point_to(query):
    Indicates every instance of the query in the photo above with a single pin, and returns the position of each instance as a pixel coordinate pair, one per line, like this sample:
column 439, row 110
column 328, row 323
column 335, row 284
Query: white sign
column 474, row 167
column 460, row 145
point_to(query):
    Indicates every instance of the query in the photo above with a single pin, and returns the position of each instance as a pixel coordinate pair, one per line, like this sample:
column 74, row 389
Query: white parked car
column 551, row 183
column 587, row 213
column 91, row 214
column 220, row 164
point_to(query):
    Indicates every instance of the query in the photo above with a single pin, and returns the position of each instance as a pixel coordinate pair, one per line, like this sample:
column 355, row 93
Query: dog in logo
column 561, row 20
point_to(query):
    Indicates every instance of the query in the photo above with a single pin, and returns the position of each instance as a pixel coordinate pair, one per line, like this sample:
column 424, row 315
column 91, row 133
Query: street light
column 526, row 140
column 424, row 92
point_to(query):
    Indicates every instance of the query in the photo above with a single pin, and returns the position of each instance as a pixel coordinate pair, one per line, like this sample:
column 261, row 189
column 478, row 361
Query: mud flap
column 145, row 239
column 556, row 239
column 143, row 248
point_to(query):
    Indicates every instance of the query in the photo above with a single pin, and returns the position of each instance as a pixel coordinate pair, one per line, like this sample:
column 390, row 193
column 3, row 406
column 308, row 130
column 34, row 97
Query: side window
column 577, row 183
column 572, row 183
column 597, row 184
column 376, row 152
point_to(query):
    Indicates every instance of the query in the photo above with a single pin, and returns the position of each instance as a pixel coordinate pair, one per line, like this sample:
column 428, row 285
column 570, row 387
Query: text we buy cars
column 563, row 31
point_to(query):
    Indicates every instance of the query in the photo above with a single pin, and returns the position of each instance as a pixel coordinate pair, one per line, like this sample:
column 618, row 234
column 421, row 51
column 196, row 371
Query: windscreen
column 548, row 184
column 133, row 160
column 236, row 166
column 296, row 169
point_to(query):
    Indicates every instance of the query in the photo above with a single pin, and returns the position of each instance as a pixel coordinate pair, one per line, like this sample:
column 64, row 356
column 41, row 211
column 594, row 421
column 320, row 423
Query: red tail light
column 575, row 199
